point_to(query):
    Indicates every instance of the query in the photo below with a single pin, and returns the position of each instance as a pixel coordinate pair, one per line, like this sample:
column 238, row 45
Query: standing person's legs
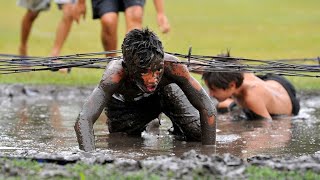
column 109, row 26
column 26, row 26
column 63, row 28
column 33, row 9
column 134, row 17
column 107, row 11
column 133, row 13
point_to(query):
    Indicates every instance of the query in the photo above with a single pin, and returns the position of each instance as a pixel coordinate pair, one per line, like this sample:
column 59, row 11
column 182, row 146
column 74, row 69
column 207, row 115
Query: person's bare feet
column 63, row 70
column 23, row 51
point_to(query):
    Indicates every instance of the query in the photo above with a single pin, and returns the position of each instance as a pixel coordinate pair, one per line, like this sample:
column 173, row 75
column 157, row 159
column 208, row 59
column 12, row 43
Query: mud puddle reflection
column 45, row 124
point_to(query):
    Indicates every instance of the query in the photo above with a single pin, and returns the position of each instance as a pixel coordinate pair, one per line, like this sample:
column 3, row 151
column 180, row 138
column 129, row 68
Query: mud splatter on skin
column 197, row 96
column 147, row 79
column 143, row 66
column 107, row 88
column 87, row 117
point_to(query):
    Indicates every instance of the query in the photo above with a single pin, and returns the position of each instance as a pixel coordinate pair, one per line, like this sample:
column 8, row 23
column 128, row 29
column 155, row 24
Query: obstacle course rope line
column 290, row 67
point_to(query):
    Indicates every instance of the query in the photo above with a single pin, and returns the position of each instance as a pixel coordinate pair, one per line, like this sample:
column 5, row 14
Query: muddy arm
column 201, row 101
column 197, row 97
column 90, row 112
column 96, row 102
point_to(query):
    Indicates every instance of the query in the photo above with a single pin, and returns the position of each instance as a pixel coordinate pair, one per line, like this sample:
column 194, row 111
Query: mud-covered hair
column 222, row 80
column 140, row 48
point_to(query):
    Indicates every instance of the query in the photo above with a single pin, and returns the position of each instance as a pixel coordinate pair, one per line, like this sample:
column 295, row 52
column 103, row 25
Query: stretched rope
column 196, row 63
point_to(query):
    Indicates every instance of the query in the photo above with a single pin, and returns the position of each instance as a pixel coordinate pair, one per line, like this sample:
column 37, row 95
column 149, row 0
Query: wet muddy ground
column 37, row 122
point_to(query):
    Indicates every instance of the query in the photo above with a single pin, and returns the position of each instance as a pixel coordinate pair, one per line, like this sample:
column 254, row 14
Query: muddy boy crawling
column 146, row 82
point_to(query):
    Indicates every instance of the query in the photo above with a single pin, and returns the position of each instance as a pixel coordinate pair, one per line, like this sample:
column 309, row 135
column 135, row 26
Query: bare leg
column 26, row 26
column 134, row 16
column 109, row 25
column 63, row 29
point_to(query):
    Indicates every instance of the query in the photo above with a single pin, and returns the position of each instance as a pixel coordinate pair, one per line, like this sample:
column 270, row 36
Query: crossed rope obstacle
column 310, row 67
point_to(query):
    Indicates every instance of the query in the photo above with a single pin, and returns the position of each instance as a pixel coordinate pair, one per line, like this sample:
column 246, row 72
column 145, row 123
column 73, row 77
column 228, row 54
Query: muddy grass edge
column 31, row 169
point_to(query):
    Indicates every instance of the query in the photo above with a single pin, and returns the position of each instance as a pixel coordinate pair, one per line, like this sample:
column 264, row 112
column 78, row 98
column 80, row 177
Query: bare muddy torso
column 41, row 119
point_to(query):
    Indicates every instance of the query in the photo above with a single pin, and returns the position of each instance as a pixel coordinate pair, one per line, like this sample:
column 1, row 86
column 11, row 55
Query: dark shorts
column 133, row 117
column 100, row 7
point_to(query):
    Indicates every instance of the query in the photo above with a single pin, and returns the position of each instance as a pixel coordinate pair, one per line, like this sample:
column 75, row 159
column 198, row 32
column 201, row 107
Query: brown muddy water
column 41, row 118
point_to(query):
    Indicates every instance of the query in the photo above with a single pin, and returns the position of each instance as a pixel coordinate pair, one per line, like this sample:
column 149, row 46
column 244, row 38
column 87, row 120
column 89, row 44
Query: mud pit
column 37, row 122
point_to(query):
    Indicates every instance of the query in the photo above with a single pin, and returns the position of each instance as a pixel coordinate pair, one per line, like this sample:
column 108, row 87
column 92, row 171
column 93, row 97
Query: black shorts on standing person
column 100, row 7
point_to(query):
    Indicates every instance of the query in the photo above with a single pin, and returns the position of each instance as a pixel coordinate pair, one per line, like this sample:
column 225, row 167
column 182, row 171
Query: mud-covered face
column 147, row 79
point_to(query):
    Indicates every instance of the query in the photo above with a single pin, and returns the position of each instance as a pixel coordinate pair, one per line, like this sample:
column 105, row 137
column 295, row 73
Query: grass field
column 265, row 29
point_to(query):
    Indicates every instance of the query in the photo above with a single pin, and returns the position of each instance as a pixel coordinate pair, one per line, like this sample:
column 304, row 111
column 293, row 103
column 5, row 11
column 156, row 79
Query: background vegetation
column 265, row 29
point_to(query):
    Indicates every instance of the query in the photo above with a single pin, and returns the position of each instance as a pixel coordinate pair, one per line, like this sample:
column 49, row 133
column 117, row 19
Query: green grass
column 265, row 29
column 28, row 169
column 255, row 172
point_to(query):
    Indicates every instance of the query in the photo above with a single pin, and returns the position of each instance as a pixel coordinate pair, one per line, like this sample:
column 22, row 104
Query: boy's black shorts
column 100, row 7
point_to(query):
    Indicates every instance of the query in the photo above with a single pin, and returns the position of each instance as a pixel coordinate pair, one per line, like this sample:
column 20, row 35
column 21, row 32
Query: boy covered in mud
column 146, row 82
column 259, row 97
